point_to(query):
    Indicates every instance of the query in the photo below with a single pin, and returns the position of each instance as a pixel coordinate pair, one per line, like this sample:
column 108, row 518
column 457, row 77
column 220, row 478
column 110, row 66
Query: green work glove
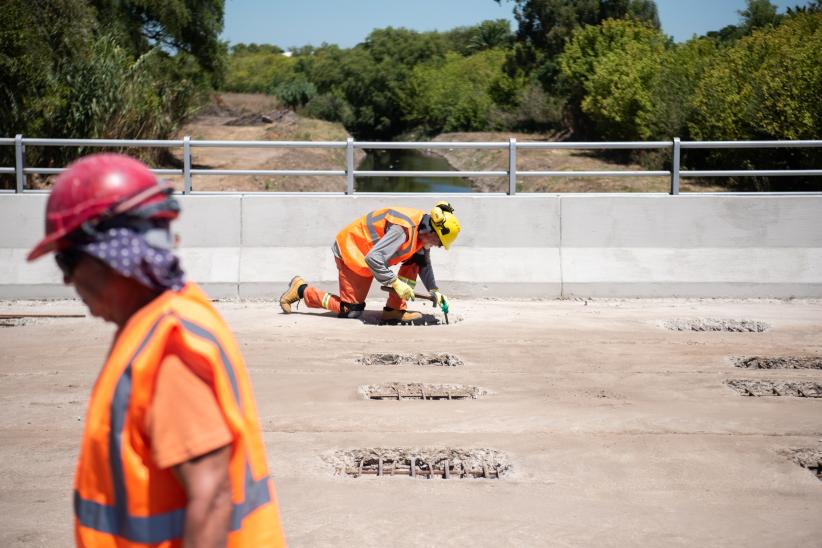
column 440, row 300
column 403, row 290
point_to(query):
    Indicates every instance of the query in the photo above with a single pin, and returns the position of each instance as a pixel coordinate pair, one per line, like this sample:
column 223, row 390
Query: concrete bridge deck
column 618, row 431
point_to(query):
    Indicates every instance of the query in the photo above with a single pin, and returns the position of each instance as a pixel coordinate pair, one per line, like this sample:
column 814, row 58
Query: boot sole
column 284, row 304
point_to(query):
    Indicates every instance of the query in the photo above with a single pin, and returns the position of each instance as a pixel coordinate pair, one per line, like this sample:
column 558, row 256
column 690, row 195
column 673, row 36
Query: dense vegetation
column 588, row 69
column 594, row 69
column 102, row 69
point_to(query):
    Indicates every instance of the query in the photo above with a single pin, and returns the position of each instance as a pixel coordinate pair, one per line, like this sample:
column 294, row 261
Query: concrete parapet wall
column 524, row 246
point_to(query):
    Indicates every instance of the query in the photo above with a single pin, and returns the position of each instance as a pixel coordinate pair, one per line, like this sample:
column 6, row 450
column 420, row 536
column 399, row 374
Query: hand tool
column 421, row 296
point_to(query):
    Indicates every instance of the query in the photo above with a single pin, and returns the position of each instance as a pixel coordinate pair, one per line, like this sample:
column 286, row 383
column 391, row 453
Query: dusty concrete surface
column 618, row 432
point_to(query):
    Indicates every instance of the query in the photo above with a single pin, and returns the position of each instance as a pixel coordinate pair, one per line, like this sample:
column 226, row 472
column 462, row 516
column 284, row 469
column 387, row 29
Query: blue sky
column 346, row 23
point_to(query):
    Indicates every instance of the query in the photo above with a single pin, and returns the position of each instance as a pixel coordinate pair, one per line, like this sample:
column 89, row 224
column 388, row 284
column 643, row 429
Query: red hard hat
column 95, row 187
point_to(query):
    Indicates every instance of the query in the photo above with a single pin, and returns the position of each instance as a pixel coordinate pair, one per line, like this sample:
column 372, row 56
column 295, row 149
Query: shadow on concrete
column 373, row 317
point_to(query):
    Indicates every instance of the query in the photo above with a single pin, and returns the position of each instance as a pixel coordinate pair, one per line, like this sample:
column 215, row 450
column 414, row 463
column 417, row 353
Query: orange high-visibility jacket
column 121, row 497
column 357, row 239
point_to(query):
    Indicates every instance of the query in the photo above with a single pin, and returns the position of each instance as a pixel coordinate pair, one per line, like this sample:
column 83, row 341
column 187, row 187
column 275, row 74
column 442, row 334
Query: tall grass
column 107, row 93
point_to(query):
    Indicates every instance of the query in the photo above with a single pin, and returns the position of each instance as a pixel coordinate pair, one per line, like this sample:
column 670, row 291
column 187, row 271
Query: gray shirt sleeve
column 377, row 258
column 427, row 271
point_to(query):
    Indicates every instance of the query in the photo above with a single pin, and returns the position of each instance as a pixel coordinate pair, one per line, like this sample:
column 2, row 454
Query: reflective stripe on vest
column 370, row 219
column 115, row 520
column 355, row 241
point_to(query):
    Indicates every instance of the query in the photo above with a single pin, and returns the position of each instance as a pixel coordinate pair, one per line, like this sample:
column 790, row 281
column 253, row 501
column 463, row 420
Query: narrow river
column 407, row 160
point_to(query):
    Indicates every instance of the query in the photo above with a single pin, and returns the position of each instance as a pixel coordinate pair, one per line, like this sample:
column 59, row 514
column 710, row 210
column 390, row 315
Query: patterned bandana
column 145, row 257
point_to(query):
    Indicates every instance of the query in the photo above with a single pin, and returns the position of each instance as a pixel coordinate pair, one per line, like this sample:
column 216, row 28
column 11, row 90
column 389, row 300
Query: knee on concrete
column 351, row 310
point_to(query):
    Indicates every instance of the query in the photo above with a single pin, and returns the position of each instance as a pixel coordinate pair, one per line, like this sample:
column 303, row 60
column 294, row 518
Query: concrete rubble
column 426, row 359
column 779, row 362
column 733, row 326
column 420, row 391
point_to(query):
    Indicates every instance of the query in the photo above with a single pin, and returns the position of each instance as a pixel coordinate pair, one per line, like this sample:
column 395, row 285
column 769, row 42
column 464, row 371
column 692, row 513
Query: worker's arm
column 190, row 436
column 427, row 271
column 208, row 488
column 383, row 250
column 423, row 259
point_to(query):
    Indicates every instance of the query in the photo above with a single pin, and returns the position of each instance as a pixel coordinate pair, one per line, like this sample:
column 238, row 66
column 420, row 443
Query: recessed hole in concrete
column 808, row 458
column 421, row 463
column 15, row 322
column 435, row 358
column 779, row 362
column 20, row 320
column 798, row 389
column 420, row 391
column 709, row 324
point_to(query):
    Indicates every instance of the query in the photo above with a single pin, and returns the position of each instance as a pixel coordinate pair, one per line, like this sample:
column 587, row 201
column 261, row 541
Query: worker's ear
column 437, row 216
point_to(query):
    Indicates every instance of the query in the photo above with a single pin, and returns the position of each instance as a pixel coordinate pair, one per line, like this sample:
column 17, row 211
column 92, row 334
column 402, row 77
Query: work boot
column 394, row 315
column 292, row 294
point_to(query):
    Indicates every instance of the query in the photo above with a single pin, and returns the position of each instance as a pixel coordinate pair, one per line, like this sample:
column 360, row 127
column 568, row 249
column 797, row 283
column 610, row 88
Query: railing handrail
column 512, row 145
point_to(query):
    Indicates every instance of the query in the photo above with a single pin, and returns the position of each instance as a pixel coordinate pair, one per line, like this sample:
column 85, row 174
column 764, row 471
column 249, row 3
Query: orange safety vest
column 358, row 238
column 121, row 497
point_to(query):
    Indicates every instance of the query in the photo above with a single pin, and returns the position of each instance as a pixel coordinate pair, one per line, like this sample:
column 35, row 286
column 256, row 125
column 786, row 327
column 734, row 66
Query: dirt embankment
column 255, row 117
column 551, row 160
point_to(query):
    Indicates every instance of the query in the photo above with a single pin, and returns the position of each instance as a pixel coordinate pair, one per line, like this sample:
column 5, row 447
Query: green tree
column 109, row 94
column 758, row 14
column 490, row 35
column 525, row 106
column 191, row 26
column 33, row 44
column 628, row 81
column 548, row 24
column 403, row 46
column 327, row 66
column 242, row 49
column 727, row 34
column 766, row 86
column 64, row 73
column 331, row 107
column 544, row 27
column 679, row 71
column 256, row 68
column 296, row 91
column 454, row 95
column 371, row 78
column 812, row 6
column 608, row 72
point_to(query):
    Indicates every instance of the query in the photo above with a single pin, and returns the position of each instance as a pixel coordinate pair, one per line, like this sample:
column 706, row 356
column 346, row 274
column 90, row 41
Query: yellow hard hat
column 445, row 223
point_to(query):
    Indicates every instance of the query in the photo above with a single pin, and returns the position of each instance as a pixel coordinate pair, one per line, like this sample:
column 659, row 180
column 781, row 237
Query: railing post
column 677, row 148
column 349, row 165
column 512, row 166
column 19, row 165
column 187, row 165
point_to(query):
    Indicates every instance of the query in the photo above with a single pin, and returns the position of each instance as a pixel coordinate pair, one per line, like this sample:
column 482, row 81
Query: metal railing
column 20, row 170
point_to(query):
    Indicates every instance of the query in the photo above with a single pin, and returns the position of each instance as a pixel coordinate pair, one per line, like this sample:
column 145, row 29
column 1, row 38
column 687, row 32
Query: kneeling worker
column 366, row 248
